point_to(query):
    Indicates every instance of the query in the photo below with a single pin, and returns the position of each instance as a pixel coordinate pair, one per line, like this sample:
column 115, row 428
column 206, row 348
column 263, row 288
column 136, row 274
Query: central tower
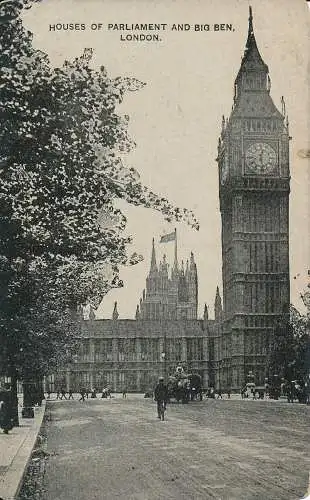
column 254, row 185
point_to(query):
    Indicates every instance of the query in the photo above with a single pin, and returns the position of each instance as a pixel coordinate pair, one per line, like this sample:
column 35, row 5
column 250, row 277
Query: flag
column 168, row 237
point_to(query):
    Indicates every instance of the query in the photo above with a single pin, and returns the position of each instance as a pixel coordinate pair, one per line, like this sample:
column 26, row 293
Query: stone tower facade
column 169, row 294
column 254, row 186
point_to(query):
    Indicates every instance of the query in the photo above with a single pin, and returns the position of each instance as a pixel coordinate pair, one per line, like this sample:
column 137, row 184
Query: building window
column 85, row 377
column 108, row 377
column 84, row 353
column 144, row 349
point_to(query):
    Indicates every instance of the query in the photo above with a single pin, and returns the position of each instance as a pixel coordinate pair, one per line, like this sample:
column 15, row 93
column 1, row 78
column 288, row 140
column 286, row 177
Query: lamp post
column 164, row 353
column 251, row 384
column 164, row 360
column 75, row 360
column 276, row 386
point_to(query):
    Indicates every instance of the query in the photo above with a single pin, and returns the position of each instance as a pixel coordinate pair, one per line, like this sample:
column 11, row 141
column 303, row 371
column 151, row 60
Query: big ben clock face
column 260, row 158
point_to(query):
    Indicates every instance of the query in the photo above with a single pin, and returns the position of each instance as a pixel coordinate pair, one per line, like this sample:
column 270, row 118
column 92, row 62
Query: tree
column 289, row 350
column 61, row 173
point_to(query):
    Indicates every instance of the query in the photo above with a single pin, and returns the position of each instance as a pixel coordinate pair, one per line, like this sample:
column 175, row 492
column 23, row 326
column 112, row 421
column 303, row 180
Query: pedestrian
column 58, row 394
column 48, row 394
column 63, row 393
column 228, row 393
column 87, row 391
column 70, row 394
column 243, row 392
column 124, row 393
column 82, row 392
column 6, row 410
column 307, row 391
column 160, row 395
column 266, row 390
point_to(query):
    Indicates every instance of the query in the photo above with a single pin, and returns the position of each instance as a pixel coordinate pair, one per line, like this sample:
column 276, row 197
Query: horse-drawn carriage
column 184, row 386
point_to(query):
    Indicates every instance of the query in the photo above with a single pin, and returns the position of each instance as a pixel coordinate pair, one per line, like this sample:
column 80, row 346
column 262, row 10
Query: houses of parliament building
column 165, row 333
column 254, row 186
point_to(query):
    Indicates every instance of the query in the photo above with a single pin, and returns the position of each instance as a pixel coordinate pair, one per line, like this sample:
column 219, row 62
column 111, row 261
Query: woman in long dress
column 5, row 411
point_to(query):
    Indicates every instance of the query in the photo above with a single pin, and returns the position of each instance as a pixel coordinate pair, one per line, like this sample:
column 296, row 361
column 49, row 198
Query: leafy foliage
column 61, row 172
column 290, row 349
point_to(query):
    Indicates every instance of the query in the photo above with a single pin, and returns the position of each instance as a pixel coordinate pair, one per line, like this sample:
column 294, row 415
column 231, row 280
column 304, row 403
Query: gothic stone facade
column 133, row 354
column 166, row 332
column 254, row 179
column 170, row 294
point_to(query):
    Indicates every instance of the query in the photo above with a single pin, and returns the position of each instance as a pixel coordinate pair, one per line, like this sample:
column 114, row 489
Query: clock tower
column 254, row 180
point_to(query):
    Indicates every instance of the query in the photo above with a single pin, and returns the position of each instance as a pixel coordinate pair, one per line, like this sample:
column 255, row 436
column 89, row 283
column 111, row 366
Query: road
column 214, row 449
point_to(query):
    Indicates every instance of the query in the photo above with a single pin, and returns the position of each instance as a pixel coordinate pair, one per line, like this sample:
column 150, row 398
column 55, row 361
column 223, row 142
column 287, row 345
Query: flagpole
column 175, row 248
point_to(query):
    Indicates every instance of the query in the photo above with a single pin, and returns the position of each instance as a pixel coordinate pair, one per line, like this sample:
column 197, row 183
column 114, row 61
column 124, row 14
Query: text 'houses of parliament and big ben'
column 254, row 186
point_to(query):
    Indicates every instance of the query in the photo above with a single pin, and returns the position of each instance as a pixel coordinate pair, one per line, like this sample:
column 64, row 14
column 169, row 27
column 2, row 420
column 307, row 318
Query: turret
column 187, row 270
column 152, row 279
column 206, row 313
column 153, row 268
column 137, row 316
column 218, row 310
column 193, row 267
column 192, row 281
column 92, row 315
column 115, row 312
column 175, row 268
column 164, row 266
column 182, row 286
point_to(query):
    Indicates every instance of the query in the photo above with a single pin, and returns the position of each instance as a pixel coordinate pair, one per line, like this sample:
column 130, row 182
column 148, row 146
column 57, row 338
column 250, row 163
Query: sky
column 175, row 119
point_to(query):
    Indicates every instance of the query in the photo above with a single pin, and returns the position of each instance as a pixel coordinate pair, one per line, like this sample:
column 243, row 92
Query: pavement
column 15, row 452
column 223, row 449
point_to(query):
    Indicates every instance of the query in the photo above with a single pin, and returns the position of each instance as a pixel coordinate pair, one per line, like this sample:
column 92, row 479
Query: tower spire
column 253, row 74
column 115, row 312
column 218, row 310
column 252, row 57
column 251, row 31
column 92, row 314
column 251, row 37
column 153, row 258
column 206, row 313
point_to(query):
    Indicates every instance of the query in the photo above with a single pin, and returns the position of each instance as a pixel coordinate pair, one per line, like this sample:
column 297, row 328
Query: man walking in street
column 161, row 395
column 63, row 393
column 82, row 392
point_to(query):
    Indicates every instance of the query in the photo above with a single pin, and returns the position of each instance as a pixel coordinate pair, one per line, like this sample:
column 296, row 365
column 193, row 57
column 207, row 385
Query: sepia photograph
column 154, row 250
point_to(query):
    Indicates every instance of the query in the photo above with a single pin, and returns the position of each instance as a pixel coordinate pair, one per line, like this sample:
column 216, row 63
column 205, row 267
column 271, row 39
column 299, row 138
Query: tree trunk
column 14, row 400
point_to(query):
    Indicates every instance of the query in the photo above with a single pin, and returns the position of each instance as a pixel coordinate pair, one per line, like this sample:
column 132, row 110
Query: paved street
column 215, row 449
